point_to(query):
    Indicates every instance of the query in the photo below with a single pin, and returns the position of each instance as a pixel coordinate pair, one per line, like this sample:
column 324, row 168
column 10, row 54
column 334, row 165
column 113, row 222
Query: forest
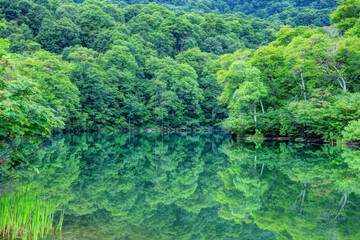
column 123, row 65
column 290, row 12
column 116, row 116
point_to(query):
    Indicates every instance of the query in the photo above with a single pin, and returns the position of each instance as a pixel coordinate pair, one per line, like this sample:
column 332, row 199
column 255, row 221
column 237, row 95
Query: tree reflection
column 301, row 192
column 139, row 186
column 199, row 186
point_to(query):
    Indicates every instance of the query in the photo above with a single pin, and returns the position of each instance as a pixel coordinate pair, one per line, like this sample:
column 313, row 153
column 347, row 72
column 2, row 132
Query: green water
column 190, row 186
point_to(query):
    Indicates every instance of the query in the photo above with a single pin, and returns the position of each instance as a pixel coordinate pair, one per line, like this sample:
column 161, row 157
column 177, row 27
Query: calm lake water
column 195, row 186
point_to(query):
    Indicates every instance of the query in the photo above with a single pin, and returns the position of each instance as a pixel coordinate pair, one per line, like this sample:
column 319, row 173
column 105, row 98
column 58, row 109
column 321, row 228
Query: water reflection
column 297, row 191
column 199, row 186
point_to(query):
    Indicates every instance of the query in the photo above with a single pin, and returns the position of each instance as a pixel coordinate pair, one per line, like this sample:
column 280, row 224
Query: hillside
column 104, row 67
column 290, row 12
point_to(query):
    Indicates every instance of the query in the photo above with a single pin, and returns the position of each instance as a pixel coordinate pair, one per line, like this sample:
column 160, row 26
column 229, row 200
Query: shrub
column 351, row 132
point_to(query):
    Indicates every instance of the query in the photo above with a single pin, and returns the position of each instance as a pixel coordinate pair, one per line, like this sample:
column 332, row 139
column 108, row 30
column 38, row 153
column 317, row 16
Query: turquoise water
column 190, row 186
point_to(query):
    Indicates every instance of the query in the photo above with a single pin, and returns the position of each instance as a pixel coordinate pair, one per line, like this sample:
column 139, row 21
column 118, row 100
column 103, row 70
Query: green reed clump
column 27, row 214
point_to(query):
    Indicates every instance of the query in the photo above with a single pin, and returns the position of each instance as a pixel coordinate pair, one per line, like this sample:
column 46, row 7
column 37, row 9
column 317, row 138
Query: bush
column 351, row 132
column 239, row 126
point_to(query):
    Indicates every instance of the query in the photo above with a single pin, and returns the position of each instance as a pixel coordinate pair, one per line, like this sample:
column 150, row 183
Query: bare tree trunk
column 255, row 119
column 302, row 86
column 302, row 195
column 262, row 106
column 255, row 159
column 341, row 79
column 343, row 202
column 262, row 169
column 303, row 199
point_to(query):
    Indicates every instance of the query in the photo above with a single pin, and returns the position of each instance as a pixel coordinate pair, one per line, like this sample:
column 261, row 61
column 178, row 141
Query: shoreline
column 296, row 140
column 281, row 139
column 143, row 130
column 233, row 136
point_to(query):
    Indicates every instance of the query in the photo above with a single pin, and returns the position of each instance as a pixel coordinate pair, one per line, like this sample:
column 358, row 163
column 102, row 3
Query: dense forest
column 110, row 65
column 103, row 67
column 290, row 12
column 305, row 83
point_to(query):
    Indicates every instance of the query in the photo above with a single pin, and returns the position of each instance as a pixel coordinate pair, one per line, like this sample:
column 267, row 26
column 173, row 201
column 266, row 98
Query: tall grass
column 26, row 214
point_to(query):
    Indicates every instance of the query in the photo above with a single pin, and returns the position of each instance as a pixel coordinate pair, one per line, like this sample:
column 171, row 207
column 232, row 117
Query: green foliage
column 97, row 99
column 176, row 95
column 288, row 188
column 143, row 66
column 138, row 184
column 318, row 66
column 198, row 186
column 26, row 214
column 108, row 84
column 52, row 76
column 292, row 12
column 55, row 36
column 22, row 117
column 320, row 118
column 346, row 15
column 351, row 132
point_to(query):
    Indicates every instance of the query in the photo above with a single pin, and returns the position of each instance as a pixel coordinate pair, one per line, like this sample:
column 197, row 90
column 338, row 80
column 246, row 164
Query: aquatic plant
column 26, row 214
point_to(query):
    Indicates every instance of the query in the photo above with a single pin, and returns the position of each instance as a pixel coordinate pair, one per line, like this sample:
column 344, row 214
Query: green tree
column 55, row 36
column 98, row 100
column 346, row 15
column 175, row 93
column 92, row 19
column 21, row 116
column 56, row 89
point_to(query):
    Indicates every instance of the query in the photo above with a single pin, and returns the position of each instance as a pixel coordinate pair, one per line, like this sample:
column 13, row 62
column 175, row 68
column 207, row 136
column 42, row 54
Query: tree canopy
column 106, row 65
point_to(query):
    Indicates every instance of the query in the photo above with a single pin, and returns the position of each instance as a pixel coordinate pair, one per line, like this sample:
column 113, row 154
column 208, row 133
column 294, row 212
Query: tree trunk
column 262, row 169
column 303, row 199
column 262, row 106
column 343, row 202
column 341, row 79
column 255, row 159
column 302, row 86
column 255, row 119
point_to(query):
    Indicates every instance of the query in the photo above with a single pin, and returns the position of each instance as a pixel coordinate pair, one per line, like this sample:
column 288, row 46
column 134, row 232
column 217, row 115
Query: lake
column 195, row 186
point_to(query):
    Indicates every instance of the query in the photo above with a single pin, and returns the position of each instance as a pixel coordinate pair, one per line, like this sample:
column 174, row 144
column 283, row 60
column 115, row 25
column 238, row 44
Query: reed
column 26, row 214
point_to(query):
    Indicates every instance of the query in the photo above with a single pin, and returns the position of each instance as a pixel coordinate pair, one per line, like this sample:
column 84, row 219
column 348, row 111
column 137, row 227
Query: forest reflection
column 199, row 186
